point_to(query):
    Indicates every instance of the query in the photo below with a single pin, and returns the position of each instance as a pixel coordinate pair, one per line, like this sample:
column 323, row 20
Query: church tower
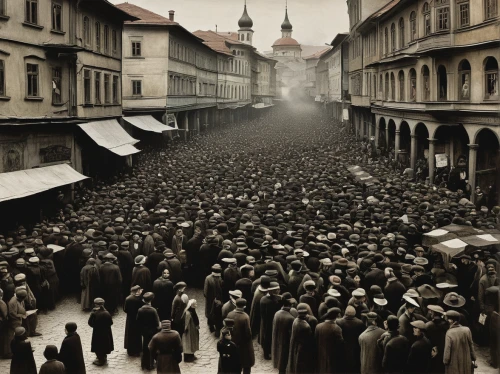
column 286, row 26
column 245, row 33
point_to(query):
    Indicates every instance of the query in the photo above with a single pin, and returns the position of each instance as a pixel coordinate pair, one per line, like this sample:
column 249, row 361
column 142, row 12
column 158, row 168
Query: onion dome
column 286, row 25
column 245, row 20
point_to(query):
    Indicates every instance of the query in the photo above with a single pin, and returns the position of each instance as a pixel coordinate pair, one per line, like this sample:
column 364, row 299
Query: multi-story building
column 431, row 79
column 60, row 67
column 312, row 64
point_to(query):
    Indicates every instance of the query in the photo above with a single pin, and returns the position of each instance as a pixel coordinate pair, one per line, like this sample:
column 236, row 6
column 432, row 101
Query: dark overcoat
column 282, row 333
column 255, row 311
column 178, row 307
column 352, row 328
column 212, row 291
column 71, row 354
column 229, row 357
column 22, row 357
column 166, row 348
column 111, row 285
column 132, row 337
column 164, row 296
column 419, row 359
column 102, row 336
column 269, row 305
column 436, row 333
column 329, row 343
column 396, row 354
column 245, row 286
column 141, row 276
column 242, row 337
column 371, row 356
column 301, row 357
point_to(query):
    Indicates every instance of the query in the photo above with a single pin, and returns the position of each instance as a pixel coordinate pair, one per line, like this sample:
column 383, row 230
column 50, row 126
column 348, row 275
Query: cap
column 236, row 293
column 418, row 324
column 98, row 301
column 435, row 308
column 148, row 296
column 359, row 292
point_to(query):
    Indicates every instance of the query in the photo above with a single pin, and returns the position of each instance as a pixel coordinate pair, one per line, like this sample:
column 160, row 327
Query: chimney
column 171, row 15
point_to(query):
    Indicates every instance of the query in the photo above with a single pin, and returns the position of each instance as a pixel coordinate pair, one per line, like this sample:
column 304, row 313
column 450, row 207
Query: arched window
column 413, row 26
column 401, row 78
column 427, row 19
column 393, row 37
column 401, row 32
column 381, row 87
column 464, row 80
column 387, row 86
column 386, row 41
column 442, row 83
column 98, row 36
column 426, row 88
column 86, row 31
column 491, row 78
column 413, row 85
column 393, row 87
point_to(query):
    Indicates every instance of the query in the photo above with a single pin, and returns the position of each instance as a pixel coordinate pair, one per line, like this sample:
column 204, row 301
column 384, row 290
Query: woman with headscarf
column 90, row 283
column 22, row 354
column 191, row 335
column 71, row 352
column 52, row 366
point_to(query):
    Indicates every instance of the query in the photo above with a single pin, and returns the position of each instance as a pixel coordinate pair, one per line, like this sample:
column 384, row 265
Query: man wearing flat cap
column 459, row 352
column 282, row 332
column 242, row 336
column 102, row 337
column 141, row 275
column 17, row 312
column 371, row 357
column 420, row 356
column 148, row 323
column 230, row 305
column 133, row 339
column 213, row 298
column 166, row 349
column 111, row 283
column 269, row 306
column 302, row 358
column 230, row 276
column 436, row 330
column 352, row 327
column 244, row 284
column 329, row 343
column 178, row 306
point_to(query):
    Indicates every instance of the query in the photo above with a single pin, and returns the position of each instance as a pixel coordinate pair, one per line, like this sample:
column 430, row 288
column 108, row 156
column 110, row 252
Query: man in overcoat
column 242, row 335
column 301, row 358
column 148, row 324
column 163, row 289
column 102, row 337
column 269, row 306
column 352, row 327
column 282, row 333
column 458, row 347
column 111, row 283
column 329, row 343
column 371, row 357
column 213, row 297
column 166, row 349
column 71, row 352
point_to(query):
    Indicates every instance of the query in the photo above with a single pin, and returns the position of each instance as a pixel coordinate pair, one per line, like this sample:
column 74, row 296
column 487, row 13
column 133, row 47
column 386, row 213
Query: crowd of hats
column 282, row 180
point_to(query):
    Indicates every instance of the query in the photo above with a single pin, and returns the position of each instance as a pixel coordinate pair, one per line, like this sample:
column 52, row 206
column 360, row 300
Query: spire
column 286, row 25
column 245, row 20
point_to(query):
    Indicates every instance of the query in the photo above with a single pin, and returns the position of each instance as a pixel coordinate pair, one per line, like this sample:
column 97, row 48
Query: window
column 56, row 17
column 426, row 89
column 490, row 9
column 87, row 84
column 413, row 85
column 442, row 83
column 386, row 86
column 443, row 17
column 413, row 26
column 381, row 87
column 491, row 78
column 2, row 7
column 2, row 78
column 32, row 12
column 393, row 37
column 114, row 41
column 393, row 87
column 386, row 41
column 136, row 49
column 401, row 33
column 463, row 13
column 32, row 78
column 427, row 19
column 107, row 91
column 86, row 31
column 98, row 36
column 464, row 80
column 137, row 88
column 115, row 89
column 97, row 87
column 401, row 78
column 56, row 85
column 106, row 39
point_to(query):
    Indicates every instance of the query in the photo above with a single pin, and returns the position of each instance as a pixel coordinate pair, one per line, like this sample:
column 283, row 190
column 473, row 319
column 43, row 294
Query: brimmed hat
column 435, row 308
column 179, row 285
column 140, row 260
column 418, row 324
column 428, row 292
column 380, row 299
column 410, row 300
column 333, row 292
column 454, row 300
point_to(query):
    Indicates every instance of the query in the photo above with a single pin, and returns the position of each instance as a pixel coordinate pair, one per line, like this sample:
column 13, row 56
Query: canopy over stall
column 109, row 134
column 148, row 123
column 21, row 183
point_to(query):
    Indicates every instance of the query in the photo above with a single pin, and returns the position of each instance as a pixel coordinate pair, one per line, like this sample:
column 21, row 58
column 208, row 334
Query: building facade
column 430, row 78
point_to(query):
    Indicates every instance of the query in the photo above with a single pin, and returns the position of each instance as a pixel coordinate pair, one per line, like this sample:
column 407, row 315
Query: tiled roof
column 146, row 17
column 286, row 42
column 213, row 40
column 317, row 54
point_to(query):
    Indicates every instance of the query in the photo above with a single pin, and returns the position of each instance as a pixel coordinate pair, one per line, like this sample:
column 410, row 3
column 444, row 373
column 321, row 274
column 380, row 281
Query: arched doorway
column 381, row 133
column 391, row 129
column 452, row 141
column 488, row 165
column 404, row 143
column 422, row 141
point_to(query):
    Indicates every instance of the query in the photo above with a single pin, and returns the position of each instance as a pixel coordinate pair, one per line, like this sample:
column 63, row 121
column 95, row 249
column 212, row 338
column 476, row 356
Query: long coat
column 71, row 354
column 282, row 333
column 148, row 323
column 329, row 343
column 301, row 357
column 255, row 312
column 269, row 305
column 245, row 286
column 90, row 283
column 212, row 291
column 191, row 336
column 164, row 296
column 141, row 276
column 458, row 350
column 371, row 357
column 111, row 285
column 396, row 352
column 229, row 357
column 126, row 264
column 419, row 359
column 102, row 336
column 242, row 337
column 178, row 307
column 132, row 332
column 166, row 348
column 22, row 357
column 352, row 328
column 436, row 332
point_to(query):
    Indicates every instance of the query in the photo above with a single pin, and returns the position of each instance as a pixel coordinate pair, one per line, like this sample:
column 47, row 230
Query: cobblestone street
column 51, row 325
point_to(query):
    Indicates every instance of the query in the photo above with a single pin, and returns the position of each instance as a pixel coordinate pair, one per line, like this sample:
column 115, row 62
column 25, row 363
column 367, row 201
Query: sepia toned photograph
column 249, row 186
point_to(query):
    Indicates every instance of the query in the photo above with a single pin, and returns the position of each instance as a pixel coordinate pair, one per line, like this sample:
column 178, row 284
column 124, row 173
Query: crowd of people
column 287, row 245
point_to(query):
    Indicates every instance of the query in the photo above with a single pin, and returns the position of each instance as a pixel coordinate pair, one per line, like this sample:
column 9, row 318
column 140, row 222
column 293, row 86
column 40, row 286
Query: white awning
column 21, row 183
column 148, row 123
column 109, row 134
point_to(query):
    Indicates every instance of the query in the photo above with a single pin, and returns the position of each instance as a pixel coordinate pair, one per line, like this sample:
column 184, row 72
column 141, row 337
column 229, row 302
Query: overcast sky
column 315, row 22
